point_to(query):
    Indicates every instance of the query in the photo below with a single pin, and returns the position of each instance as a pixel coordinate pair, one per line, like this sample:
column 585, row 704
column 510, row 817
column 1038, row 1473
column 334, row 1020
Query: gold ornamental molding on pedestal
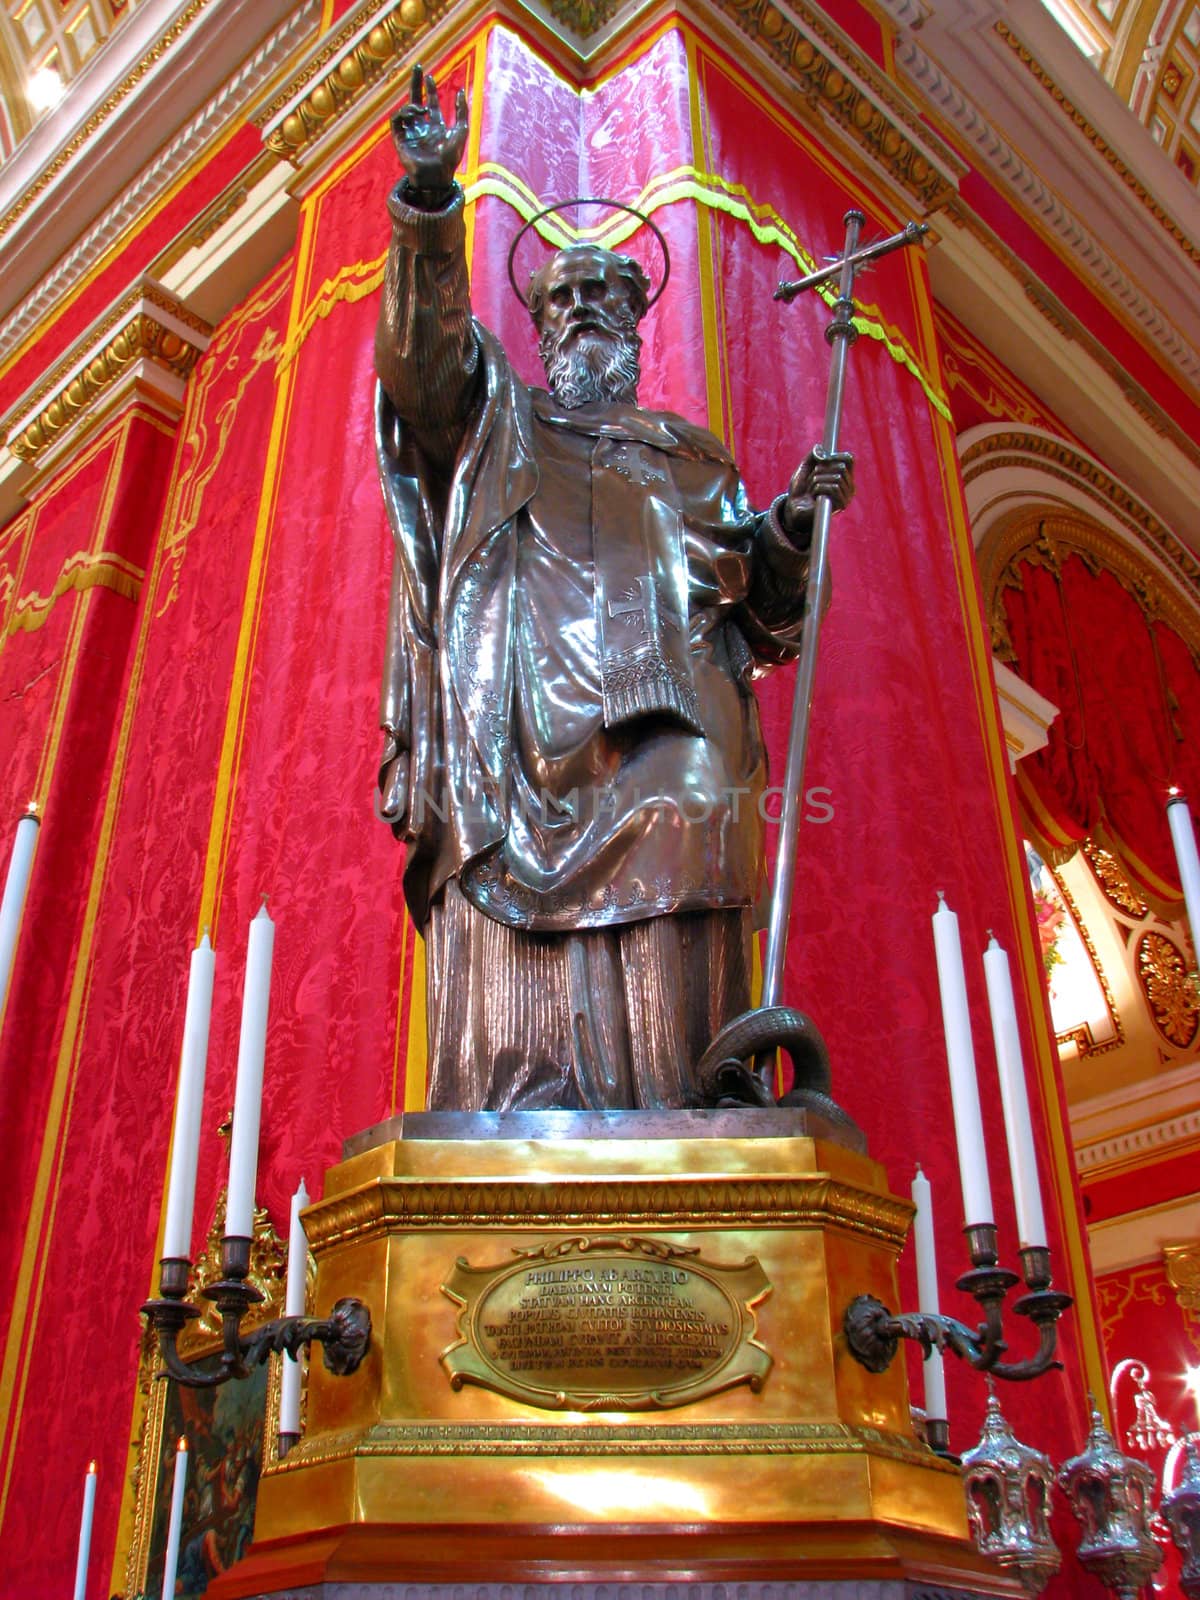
column 147, row 326
column 434, row 1439
column 679, row 1204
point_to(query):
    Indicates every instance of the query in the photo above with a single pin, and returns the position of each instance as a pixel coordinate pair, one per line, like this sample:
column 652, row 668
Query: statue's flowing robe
column 574, row 759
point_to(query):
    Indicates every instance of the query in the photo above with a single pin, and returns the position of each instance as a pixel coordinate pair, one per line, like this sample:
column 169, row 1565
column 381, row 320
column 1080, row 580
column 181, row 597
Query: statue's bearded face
column 587, row 305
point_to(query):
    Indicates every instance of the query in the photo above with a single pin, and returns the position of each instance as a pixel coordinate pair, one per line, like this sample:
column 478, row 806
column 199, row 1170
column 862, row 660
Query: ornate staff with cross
column 772, row 1025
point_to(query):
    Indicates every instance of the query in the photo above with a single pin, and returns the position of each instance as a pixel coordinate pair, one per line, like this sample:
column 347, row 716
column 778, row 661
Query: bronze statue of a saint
column 581, row 597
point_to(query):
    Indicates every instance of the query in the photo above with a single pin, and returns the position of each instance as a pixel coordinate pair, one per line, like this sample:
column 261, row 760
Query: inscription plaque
column 607, row 1323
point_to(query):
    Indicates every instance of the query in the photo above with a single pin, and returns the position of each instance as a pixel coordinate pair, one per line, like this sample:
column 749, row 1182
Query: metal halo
column 586, row 200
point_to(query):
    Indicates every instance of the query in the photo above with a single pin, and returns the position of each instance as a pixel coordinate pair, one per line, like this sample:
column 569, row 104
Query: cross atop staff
column 841, row 334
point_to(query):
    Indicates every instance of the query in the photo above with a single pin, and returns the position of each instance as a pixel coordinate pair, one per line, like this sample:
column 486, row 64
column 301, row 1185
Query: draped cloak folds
column 576, row 613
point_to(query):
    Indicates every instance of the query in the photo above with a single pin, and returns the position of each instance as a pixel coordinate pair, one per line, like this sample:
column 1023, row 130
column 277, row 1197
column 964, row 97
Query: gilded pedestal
column 670, row 1290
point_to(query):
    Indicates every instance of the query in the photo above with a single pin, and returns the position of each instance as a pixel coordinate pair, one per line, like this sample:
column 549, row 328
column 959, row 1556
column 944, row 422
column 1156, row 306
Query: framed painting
column 232, row 1434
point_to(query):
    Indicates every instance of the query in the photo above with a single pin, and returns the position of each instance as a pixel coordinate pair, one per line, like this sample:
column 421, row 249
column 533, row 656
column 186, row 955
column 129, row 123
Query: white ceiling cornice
column 171, row 80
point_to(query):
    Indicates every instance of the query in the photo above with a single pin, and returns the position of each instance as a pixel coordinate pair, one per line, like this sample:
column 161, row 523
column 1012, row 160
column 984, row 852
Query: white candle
column 295, row 1298
column 1014, row 1096
column 927, row 1292
column 960, row 1054
column 85, row 1531
column 247, row 1100
column 189, row 1104
column 1183, row 837
column 20, row 863
column 175, row 1519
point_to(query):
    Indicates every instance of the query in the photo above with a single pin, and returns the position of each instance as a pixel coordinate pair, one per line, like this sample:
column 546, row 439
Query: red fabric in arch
column 1118, row 744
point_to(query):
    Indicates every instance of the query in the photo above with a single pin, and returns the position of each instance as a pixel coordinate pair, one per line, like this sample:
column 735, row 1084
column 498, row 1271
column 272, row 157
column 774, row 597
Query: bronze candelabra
column 344, row 1335
column 873, row 1333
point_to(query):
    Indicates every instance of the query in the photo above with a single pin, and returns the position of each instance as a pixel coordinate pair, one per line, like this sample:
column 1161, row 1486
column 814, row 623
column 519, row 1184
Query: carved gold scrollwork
column 1169, row 991
column 1182, row 1262
column 1112, row 879
column 138, row 335
column 583, row 17
column 823, row 80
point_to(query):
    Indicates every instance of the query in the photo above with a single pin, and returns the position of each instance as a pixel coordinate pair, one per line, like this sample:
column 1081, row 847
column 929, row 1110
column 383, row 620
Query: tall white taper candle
column 1014, row 1096
column 85, row 1531
column 175, row 1520
column 20, row 863
column 927, row 1291
column 294, row 1302
column 1183, row 837
column 247, row 1101
column 960, row 1054
column 189, row 1104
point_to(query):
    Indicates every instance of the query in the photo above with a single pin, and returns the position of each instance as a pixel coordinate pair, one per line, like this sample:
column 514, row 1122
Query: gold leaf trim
column 629, row 1439
column 667, row 1204
column 345, row 69
column 1111, row 877
column 61, row 400
column 1082, row 1037
column 84, row 570
column 1170, row 994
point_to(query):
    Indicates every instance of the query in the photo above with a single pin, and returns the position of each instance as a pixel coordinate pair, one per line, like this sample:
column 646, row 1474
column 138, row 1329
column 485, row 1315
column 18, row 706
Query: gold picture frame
column 232, row 1431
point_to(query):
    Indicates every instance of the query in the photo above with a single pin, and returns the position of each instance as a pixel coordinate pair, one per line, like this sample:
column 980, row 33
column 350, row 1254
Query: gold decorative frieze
column 583, row 17
column 527, row 1439
column 351, row 60
column 148, row 325
column 825, row 69
column 1169, row 991
column 849, row 89
column 677, row 1203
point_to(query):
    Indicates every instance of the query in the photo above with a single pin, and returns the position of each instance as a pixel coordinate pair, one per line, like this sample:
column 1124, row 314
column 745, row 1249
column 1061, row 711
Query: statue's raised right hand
column 429, row 150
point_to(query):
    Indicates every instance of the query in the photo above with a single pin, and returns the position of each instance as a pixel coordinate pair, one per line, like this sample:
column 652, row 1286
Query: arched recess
column 1095, row 603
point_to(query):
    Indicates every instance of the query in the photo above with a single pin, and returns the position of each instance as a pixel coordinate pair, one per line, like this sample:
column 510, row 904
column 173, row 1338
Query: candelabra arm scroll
column 344, row 1336
column 873, row 1333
